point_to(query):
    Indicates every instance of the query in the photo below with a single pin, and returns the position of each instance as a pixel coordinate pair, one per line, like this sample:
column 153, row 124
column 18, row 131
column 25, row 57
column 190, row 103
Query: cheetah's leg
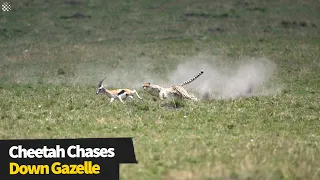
column 162, row 95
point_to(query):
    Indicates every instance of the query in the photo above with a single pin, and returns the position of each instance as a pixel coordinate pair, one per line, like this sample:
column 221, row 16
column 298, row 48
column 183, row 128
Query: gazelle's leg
column 134, row 91
column 130, row 96
column 111, row 100
column 120, row 98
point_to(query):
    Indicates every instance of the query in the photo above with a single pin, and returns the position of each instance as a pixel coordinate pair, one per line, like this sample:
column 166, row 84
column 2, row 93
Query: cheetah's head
column 146, row 86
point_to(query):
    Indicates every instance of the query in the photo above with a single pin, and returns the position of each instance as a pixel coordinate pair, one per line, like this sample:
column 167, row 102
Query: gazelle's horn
column 104, row 85
column 100, row 82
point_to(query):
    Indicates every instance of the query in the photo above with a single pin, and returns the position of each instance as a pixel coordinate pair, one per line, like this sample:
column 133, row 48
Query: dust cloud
column 225, row 79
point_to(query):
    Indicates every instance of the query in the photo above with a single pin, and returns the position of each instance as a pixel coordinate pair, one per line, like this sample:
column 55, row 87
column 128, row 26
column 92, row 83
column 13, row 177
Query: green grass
column 49, row 68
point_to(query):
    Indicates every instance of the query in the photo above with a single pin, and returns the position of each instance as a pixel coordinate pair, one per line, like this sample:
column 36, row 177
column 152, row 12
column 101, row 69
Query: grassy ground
column 50, row 63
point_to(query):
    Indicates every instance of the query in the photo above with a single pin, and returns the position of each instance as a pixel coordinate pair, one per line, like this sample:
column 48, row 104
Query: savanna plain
column 258, row 116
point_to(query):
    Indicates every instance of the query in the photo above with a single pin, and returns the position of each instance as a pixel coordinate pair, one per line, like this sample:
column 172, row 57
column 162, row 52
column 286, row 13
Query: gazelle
column 118, row 94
